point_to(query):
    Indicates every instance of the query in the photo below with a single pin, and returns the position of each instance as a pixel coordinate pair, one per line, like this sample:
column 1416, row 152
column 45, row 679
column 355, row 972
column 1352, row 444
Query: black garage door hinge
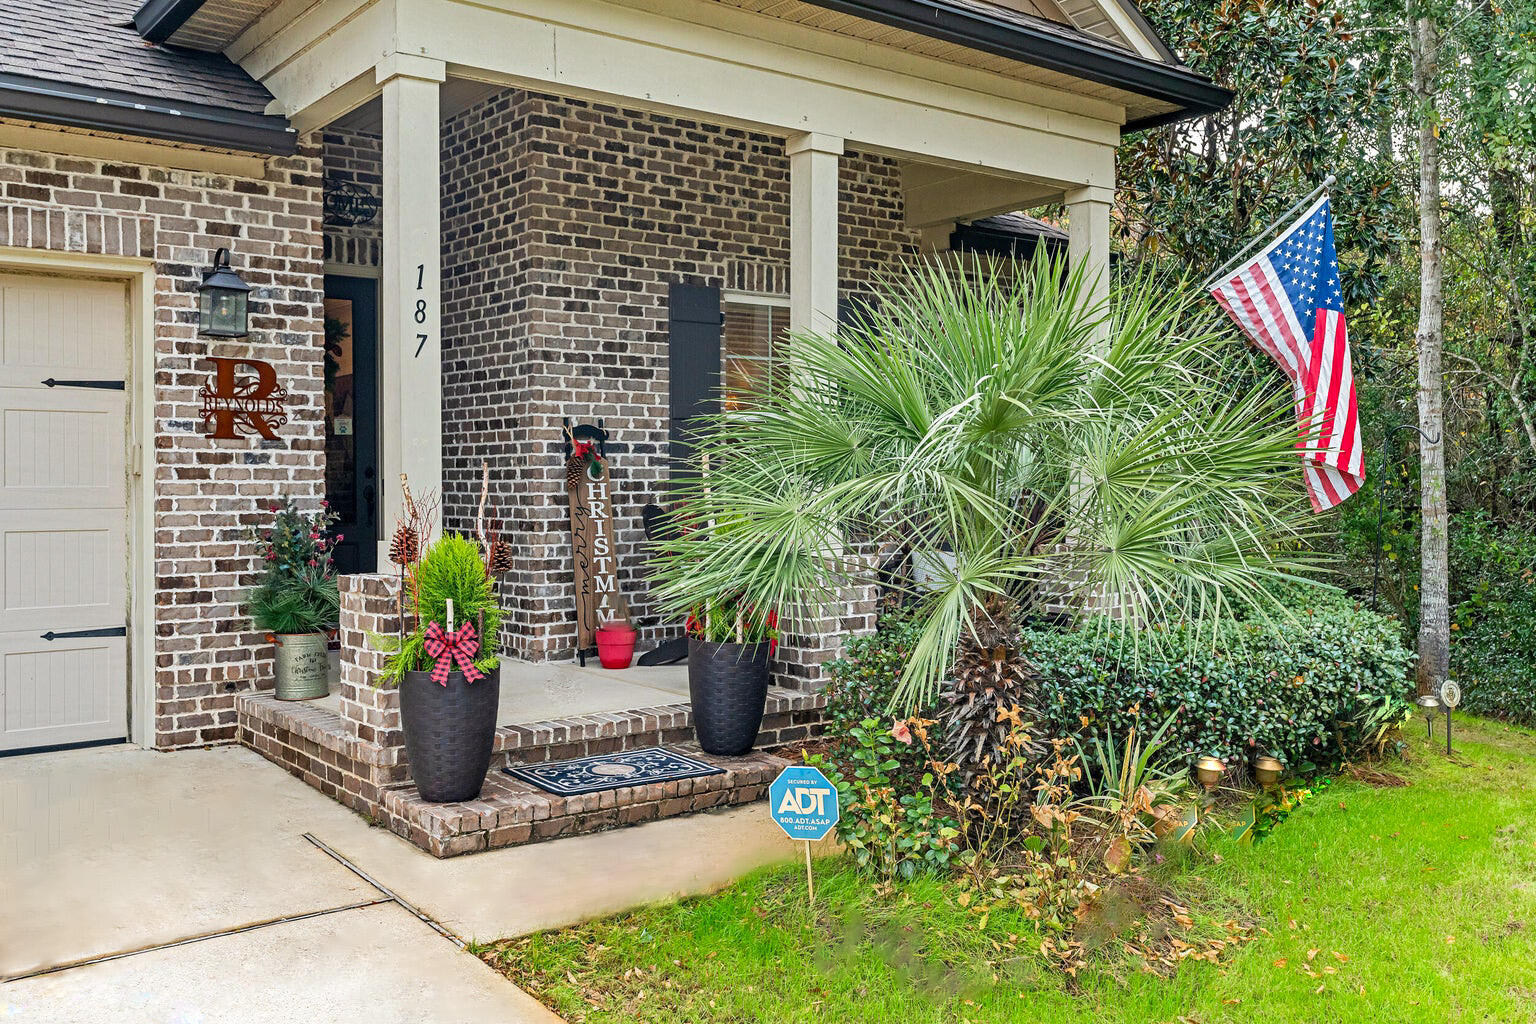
column 105, row 385
column 71, row 634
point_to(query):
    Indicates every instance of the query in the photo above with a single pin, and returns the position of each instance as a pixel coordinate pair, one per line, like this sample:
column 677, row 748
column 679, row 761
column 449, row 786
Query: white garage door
column 63, row 511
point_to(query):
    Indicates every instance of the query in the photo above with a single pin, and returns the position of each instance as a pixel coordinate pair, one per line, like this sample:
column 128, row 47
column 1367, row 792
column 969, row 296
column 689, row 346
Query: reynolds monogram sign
column 236, row 405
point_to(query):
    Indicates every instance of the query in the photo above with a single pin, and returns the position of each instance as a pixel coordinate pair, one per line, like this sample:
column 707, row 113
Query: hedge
column 1309, row 692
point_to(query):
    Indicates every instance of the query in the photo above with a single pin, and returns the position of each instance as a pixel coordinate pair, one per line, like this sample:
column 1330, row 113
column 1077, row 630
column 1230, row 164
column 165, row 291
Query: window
column 752, row 343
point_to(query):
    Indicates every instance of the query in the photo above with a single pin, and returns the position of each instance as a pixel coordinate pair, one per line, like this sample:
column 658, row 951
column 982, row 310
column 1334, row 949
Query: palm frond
column 1059, row 448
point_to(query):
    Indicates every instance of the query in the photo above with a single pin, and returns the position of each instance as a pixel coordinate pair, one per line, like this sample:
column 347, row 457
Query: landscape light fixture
column 1209, row 770
column 1430, row 703
column 1267, row 770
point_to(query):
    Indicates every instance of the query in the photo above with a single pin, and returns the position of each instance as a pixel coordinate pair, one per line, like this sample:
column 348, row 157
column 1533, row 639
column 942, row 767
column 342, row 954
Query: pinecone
column 575, row 467
column 990, row 712
column 405, row 547
column 500, row 562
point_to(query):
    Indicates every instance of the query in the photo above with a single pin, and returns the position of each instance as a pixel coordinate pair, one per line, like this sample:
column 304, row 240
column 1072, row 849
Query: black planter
column 728, row 684
column 449, row 731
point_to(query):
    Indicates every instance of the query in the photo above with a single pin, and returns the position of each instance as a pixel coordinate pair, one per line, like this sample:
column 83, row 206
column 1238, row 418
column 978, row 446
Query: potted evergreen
column 444, row 659
column 296, row 602
column 729, row 647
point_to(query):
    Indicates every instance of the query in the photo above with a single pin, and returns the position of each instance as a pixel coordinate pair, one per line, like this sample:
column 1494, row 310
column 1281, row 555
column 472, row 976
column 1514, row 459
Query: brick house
column 506, row 214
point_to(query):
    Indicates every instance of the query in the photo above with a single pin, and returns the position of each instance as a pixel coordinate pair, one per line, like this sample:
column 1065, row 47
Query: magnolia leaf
column 1117, row 856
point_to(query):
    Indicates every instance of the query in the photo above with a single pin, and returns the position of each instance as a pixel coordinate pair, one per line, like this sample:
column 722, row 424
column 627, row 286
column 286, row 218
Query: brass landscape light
column 223, row 301
column 1267, row 770
column 1209, row 770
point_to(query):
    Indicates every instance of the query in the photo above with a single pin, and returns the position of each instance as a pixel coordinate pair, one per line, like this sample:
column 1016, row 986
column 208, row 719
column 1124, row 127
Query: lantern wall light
column 223, row 301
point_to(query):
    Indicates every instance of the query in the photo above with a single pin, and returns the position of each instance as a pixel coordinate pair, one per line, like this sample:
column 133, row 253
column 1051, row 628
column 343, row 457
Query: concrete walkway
column 119, row 851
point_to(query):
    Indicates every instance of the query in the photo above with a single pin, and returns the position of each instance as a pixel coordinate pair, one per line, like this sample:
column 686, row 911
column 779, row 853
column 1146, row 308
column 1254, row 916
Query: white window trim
column 728, row 298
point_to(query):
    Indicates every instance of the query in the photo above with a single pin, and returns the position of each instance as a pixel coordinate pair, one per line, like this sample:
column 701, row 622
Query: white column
column 813, row 231
column 1088, row 240
column 1088, row 247
column 410, row 354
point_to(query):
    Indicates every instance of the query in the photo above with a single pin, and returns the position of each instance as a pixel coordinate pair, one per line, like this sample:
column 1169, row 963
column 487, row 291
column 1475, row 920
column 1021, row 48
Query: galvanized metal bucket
column 302, row 666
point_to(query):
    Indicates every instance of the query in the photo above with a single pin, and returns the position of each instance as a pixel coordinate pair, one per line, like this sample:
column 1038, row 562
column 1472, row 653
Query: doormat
column 602, row 772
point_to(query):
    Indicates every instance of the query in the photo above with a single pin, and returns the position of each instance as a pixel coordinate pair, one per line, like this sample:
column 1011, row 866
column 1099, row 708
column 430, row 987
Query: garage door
column 63, row 511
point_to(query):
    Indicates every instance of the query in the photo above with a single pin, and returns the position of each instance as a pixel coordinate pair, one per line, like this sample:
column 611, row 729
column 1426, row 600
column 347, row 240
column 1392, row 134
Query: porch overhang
column 1011, row 142
column 970, row 25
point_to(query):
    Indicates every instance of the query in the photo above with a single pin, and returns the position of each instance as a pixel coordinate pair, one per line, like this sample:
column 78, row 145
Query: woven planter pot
column 300, row 666
column 449, row 731
column 728, row 685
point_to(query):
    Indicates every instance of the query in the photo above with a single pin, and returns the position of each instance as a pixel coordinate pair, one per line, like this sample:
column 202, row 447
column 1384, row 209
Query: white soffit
column 216, row 24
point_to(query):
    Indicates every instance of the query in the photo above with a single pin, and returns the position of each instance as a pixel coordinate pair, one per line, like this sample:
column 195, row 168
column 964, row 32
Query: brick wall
column 563, row 223
column 355, row 159
column 206, row 492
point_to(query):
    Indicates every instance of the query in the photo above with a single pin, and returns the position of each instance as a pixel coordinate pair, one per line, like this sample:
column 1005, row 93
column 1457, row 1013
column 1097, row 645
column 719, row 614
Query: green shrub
column 1493, row 657
column 862, row 685
column 1493, row 645
column 889, row 827
column 453, row 569
column 1309, row 692
column 885, row 790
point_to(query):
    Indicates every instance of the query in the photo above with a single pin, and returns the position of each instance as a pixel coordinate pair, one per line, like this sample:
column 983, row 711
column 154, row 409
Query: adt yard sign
column 804, row 803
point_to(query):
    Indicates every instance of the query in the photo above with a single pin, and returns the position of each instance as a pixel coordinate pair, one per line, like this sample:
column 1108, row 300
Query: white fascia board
column 708, row 61
column 1130, row 29
column 320, row 78
column 612, row 51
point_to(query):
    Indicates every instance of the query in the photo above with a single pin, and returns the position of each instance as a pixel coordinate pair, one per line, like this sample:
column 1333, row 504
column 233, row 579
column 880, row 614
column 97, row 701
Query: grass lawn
column 1391, row 904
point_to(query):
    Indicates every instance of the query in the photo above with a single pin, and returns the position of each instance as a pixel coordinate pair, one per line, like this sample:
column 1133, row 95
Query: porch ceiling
column 456, row 96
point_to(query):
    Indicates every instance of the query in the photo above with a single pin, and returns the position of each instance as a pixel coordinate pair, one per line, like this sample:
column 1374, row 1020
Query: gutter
column 113, row 110
column 158, row 20
column 1194, row 94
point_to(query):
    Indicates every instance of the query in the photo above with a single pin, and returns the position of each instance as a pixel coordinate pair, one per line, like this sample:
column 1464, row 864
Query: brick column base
column 369, row 607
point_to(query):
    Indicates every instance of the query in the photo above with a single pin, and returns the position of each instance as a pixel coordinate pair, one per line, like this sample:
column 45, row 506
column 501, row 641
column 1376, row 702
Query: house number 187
column 420, row 314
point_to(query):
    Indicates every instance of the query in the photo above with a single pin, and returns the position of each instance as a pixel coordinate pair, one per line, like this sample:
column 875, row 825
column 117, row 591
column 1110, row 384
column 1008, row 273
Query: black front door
column 351, row 418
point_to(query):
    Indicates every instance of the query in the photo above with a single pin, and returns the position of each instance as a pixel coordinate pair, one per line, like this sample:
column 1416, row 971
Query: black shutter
column 856, row 311
column 693, row 327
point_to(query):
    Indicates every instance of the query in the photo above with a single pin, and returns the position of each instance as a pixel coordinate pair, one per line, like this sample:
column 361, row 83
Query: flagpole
column 1262, row 235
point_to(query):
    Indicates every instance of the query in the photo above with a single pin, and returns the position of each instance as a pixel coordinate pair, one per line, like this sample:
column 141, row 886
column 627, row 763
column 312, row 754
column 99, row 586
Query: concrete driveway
column 138, row 886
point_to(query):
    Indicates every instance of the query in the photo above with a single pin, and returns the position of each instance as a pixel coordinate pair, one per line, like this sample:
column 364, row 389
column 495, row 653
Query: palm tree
column 1064, row 453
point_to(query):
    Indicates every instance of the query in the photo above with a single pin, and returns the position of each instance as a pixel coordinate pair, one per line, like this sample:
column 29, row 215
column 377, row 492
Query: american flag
column 1287, row 299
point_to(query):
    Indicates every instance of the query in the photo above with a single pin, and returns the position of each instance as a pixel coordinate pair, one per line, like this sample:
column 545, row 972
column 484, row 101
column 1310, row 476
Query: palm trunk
column 1434, row 572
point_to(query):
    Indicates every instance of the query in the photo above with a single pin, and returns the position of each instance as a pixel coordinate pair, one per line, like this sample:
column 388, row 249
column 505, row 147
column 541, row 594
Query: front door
column 351, row 424
column 63, row 511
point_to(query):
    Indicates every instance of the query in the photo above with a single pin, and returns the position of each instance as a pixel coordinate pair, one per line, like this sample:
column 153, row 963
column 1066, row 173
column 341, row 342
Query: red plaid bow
column 459, row 646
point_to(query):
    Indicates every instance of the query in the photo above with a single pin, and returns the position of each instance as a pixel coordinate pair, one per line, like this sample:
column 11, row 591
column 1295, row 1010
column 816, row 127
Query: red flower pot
column 615, row 645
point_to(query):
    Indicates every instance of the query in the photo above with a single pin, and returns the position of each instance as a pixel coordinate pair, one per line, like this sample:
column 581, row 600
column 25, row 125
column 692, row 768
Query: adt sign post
column 804, row 803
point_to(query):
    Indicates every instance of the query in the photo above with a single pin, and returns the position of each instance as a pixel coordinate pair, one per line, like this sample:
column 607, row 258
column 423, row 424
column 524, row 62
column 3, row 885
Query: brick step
column 789, row 716
column 324, row 749
column 510, row 812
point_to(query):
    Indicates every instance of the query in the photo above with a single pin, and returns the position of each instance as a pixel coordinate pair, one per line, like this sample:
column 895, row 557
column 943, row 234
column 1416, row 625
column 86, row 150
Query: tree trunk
column 1434, row 571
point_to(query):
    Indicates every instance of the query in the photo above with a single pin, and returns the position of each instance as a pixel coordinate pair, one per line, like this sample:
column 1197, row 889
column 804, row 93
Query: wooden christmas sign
column 589, row 489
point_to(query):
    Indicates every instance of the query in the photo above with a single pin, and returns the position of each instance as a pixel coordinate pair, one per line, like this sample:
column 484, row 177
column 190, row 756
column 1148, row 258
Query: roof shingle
column 92, row 43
